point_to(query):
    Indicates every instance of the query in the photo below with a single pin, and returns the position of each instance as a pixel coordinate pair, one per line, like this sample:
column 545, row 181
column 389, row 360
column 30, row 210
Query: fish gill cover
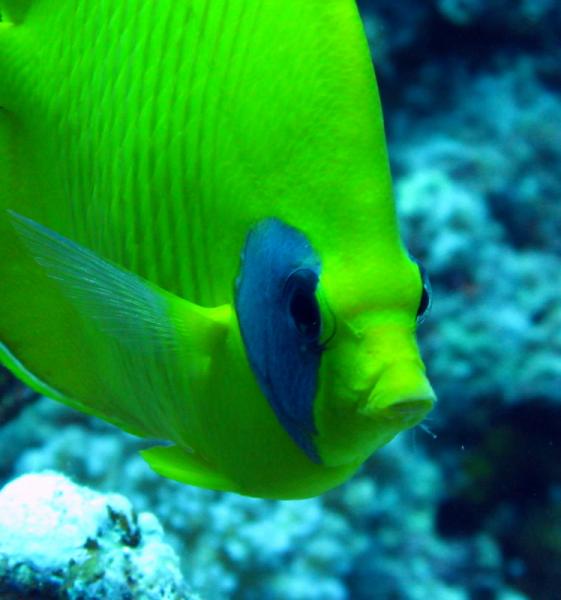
column 470, row 506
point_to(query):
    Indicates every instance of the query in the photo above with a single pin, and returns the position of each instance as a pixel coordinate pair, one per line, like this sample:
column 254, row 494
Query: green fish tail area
column 14, row 10
column 11, row 59
column 38, row 328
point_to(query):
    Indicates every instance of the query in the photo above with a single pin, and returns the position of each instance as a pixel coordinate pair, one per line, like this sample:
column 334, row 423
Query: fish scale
column 157, row 103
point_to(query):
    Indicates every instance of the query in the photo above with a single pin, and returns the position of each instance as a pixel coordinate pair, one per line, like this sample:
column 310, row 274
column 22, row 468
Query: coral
column 230, row 546
column 508, row 483
column 239, row 547
column 381, row 524
column 478, row 204
column 58, row 540
column 498, row 14
column 396, row 501
column 384, row 38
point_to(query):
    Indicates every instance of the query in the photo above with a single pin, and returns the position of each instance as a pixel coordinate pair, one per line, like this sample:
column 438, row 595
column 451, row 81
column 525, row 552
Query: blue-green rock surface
column 60, row 540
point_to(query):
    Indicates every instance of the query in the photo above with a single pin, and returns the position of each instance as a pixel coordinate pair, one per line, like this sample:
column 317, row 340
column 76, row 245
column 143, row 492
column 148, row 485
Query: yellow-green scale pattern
column 157, row 134
column 172, row 123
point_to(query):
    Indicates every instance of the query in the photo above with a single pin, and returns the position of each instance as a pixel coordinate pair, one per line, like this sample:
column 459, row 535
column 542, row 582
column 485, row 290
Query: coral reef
column 477, row 158
column 382, row 524
column 510, row 485
column 58, row 540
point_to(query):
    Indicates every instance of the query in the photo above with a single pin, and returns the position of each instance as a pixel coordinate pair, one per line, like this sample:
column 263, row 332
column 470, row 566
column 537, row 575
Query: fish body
column 198, row 241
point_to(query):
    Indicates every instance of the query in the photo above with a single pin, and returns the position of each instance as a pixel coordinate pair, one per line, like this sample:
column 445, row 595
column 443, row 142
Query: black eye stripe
column 280, row 323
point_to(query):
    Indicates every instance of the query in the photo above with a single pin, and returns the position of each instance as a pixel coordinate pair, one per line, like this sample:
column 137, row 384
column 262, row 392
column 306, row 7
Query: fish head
column 373, row 382
column 332, row 345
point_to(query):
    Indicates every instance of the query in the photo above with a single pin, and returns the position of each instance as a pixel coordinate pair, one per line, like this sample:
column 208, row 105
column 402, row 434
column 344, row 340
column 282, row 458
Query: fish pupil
column 426, row 300
column 304, row 311
column 424, row 304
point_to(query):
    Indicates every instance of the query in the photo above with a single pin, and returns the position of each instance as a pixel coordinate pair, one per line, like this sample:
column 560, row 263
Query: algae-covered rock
column 59, row 540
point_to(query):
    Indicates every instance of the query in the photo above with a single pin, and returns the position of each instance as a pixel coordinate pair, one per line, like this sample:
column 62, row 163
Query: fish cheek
column 242, row 437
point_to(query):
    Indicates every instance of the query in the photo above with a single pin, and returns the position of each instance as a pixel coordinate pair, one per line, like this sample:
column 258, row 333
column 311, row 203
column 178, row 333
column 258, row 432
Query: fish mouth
column 408, row 412
column 402, row 394
column 410, row 407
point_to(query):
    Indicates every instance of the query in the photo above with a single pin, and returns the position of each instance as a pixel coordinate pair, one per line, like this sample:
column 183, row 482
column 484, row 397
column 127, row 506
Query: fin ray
column 122, row 303
column 151, row 347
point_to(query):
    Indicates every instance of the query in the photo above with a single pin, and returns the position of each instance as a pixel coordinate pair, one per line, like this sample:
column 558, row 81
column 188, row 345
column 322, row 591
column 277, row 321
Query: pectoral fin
column 122, row 304
column 151, row 349
column 175, row 463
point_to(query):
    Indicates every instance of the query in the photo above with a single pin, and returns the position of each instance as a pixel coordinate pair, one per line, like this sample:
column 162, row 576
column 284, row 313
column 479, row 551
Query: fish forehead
column 175, row 126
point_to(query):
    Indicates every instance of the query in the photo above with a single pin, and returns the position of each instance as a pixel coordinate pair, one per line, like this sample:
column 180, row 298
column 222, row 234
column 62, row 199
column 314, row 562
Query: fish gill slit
column 197, row 231
column 205, row 159
column 191, row 160
column 180, row 109
column 96, row 197
column 131, row 195
column 80, row 171
column 113, row 171
column 236, row 87
column 139, row 196
column 166, row 257
column 156, row 225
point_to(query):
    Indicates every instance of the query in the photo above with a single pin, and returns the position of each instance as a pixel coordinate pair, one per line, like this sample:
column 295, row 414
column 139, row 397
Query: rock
column 60, row 540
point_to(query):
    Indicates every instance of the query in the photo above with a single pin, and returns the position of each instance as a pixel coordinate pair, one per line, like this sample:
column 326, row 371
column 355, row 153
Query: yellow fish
column 198, row 240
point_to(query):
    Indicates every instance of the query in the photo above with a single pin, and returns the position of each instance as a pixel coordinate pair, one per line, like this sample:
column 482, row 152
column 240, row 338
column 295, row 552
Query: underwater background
column 467, row 506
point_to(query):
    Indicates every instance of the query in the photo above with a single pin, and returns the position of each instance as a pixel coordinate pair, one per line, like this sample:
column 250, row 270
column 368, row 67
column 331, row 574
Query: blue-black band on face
column 280, row 323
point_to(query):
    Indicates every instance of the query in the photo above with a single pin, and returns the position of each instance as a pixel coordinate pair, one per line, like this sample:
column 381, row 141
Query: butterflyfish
column 198, row 237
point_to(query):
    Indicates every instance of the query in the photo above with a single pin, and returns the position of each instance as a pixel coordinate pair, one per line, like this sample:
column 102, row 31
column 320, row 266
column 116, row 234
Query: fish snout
column 376, row 394
column 402, row 393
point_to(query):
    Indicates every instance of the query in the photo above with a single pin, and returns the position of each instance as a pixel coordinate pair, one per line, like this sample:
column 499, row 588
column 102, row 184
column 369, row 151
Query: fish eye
column 304, row 311
column 426, row 295
column 303, row 306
